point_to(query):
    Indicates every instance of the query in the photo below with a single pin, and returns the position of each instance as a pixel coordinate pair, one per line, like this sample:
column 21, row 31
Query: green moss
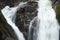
column 58, row 12
column 58, row 9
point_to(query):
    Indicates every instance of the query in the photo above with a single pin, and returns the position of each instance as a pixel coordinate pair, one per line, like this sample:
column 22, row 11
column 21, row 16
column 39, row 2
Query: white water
column 10, row 14
column 48, row 26
column 30, row 27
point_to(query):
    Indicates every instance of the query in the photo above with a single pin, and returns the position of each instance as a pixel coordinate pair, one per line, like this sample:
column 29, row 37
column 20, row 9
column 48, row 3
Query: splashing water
column 48, row 25
column 10, row 14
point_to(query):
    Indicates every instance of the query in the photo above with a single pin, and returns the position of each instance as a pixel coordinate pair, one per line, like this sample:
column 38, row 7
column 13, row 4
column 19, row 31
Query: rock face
column 25, row 15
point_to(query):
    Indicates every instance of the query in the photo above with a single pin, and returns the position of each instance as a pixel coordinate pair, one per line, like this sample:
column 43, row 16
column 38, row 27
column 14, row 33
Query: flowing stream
column 48, row 25
column 10, row 14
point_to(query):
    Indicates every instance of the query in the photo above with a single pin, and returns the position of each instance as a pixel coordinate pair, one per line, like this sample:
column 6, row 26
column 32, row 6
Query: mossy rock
column 58, row 12
column 58, row 9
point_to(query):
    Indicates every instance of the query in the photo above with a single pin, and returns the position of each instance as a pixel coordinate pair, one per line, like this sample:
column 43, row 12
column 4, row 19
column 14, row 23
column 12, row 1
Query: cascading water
column 48, row 25
column 30, row 29
column 10, row 14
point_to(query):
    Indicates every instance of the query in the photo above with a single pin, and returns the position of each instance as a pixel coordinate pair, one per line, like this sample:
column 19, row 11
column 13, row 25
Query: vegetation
column 58, row 12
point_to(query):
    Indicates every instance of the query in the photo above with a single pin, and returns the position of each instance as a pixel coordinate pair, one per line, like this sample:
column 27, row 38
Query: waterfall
column 48, row 25
column 10, row 14
column 46, row 21
column 30, row 28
